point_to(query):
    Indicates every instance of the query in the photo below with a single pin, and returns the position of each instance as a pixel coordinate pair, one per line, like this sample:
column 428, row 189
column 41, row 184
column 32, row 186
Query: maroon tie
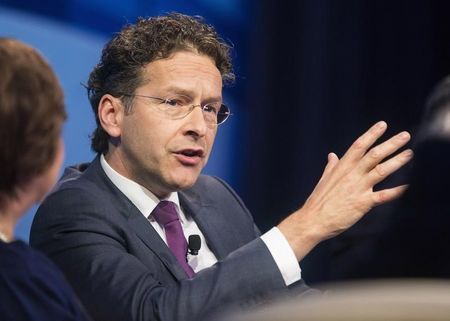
column 166, row 214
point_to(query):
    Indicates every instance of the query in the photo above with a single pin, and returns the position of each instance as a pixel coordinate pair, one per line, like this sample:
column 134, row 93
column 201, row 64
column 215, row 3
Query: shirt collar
column 140, row 196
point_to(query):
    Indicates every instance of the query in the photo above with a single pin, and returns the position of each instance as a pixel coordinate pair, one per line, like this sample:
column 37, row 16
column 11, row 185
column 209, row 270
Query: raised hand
column 345, row 191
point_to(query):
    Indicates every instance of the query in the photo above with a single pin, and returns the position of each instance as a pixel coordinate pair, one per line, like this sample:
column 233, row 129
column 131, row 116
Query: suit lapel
column 137, row 222
column 210, row 221
column 153, row 241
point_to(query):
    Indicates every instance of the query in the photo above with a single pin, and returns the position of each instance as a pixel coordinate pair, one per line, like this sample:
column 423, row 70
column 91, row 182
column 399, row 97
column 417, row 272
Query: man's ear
column 110, row 114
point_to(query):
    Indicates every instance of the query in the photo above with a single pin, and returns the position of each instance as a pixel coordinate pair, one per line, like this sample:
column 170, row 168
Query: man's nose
column 196, row 122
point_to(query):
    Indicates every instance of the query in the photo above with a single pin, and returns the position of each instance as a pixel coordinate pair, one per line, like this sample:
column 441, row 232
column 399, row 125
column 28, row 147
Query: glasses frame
column 226, row 114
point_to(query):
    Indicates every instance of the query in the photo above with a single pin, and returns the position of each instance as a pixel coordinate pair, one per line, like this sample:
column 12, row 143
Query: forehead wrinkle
column 195, row 70
column 172, row 76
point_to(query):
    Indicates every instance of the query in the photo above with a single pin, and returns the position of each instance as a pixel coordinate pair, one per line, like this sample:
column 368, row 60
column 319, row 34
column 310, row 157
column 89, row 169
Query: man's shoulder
column 83, row 197
column 81, row 183
column 80, row 176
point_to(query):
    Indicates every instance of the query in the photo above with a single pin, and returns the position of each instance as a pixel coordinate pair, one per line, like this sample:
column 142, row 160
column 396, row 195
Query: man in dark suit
column 118, row 229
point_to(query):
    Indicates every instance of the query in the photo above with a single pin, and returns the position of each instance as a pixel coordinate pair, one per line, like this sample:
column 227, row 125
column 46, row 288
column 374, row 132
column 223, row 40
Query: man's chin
column 185, row 182
column 185, row 185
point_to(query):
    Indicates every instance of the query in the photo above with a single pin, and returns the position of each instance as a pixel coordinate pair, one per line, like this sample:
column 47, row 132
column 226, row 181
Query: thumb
column 333, row 160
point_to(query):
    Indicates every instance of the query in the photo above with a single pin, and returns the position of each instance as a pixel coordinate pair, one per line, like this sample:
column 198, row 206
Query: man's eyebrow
column 179, row 91
column 189, row 93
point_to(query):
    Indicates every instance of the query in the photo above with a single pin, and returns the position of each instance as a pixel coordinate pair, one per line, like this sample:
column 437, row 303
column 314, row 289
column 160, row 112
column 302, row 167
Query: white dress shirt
column 146, row 202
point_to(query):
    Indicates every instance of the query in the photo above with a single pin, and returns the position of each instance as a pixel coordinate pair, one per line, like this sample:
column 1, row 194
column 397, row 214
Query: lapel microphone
column 194, row 244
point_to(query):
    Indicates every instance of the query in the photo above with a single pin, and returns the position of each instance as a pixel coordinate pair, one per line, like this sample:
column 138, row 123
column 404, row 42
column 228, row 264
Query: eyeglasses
column 180, row 106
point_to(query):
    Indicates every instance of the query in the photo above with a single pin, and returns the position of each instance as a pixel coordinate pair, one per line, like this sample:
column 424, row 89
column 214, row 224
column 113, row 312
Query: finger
column 383, row 170
column 363, row 143
column 380, row 152
column 389, row 194
column 333, row 160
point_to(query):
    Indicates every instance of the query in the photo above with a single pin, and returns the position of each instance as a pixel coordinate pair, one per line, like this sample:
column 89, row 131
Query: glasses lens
column 174, row 107
column 223, row 114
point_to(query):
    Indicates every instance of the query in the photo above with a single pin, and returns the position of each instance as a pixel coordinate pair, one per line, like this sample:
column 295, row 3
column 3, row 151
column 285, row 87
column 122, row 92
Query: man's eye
column 210, row 109
column 172, row 102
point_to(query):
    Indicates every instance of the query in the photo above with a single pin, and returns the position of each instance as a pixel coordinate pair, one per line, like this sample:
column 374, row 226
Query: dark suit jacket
column 121, row 268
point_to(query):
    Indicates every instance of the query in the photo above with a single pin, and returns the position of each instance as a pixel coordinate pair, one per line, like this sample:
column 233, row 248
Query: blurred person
column 31, row 116
column 394, row 300
column 415, row 238
column 118, row 228
column 436, row 120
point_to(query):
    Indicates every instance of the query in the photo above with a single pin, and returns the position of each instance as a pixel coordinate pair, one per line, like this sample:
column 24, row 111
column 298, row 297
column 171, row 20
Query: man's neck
column 115, row 161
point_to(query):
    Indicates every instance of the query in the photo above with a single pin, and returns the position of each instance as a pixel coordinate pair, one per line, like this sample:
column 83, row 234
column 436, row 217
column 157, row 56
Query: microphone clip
column 194, row 244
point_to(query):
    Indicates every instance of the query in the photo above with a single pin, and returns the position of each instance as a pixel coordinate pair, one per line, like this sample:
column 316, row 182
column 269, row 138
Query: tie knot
column 165, row 212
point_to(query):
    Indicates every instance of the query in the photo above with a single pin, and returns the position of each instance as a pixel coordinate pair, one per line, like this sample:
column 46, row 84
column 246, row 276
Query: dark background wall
column 312, row 76
column 323, row 72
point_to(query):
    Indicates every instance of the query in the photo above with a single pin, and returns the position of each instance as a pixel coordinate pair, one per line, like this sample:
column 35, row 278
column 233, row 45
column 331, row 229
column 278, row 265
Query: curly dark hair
column 31, row 116
column 129, row 51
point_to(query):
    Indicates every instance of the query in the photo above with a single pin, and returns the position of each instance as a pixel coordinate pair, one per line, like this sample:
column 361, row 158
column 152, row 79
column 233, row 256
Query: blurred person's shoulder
column 20, row 262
